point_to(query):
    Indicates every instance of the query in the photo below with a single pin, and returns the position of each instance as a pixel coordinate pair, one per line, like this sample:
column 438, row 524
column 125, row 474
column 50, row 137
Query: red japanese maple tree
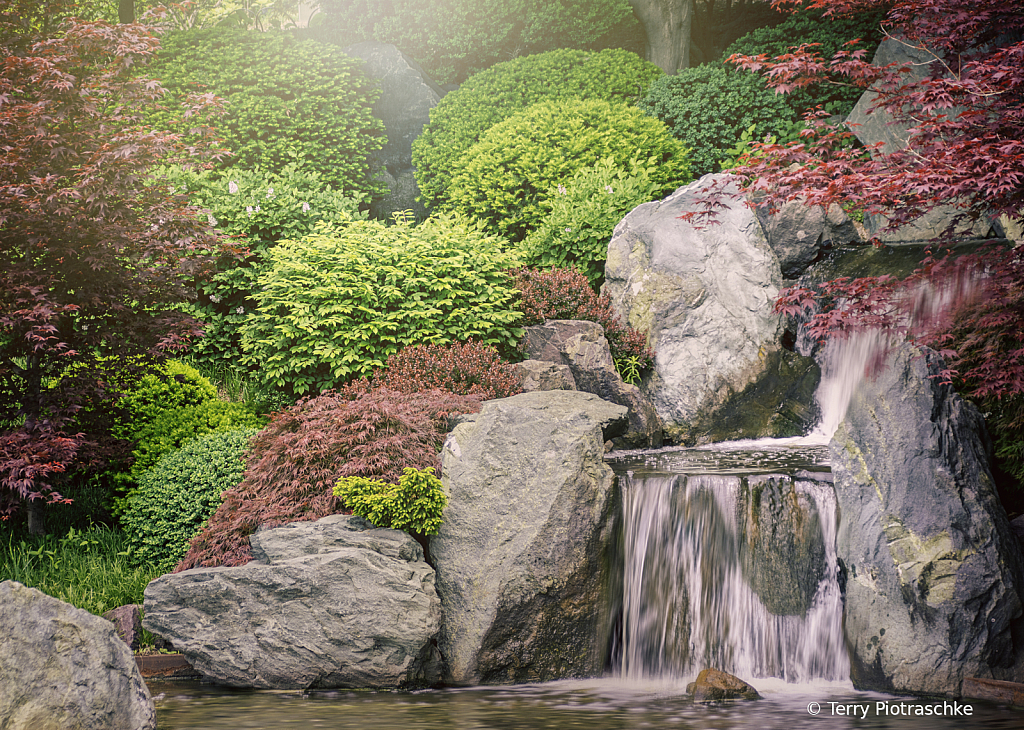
column 93, row 252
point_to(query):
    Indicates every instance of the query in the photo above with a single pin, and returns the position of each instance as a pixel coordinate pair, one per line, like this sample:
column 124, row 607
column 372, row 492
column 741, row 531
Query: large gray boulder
column 704, row 295
column 582, row 347
column 332, row 603
column 799, row 234
column 62, row 668
column 933, row 574
column 523, row 555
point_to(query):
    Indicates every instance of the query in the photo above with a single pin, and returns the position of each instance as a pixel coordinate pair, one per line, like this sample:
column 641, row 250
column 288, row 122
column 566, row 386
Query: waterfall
column 688, row 602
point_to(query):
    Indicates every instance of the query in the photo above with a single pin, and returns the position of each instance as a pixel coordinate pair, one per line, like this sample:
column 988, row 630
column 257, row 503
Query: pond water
column 599, row 704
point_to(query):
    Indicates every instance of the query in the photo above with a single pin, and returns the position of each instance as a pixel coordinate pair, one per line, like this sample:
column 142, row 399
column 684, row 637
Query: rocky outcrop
column 407, row 96
column 933, row 574
column 522, row 557
column 542, row 375
column 62, row 668
column 127, row 622
column 581, row 346
column 332, row 603
column 799, row 234
column 704, row 295
column 714, row 685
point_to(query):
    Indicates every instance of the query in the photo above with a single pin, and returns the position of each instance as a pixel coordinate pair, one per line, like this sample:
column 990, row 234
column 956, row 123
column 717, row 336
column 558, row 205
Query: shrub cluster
column 300, row 456
column 462, row 368
column 453, row 38
column 566, row 294
column 415, row 504
column 583, row 213
column 332, row 307
column 177, row 385
column 504, row 178
column 176, row 497
column 491, row 96
column 287, row 101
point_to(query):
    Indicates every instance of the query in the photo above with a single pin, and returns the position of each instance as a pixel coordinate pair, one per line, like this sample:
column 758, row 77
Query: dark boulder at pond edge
column 714, row 685
column 332, row 603
column 523, row 557
column 62, row 668
column 933, row 572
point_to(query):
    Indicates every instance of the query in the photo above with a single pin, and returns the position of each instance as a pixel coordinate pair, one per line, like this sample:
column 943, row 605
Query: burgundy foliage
column 297, row 459
column 462, row 368
column 92, row 255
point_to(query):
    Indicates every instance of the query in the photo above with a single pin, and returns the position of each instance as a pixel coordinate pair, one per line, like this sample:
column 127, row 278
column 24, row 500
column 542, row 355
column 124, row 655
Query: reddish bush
column 296, row 461
column 463, row 368
column 566, row 294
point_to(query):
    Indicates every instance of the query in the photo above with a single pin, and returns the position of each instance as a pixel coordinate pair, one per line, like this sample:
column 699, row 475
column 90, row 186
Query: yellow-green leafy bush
column 414, row 504
column 505, row 178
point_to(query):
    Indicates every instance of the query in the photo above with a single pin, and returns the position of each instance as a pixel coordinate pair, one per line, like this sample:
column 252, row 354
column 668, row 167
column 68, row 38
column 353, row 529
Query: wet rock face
column 784, row 560
column 62, row 668
column 933, row 573
column 523, row 555
column 332, row 603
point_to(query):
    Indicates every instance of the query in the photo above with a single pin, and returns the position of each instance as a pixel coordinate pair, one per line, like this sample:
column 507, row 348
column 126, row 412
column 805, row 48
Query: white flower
column 233, row 187
column 568, row 230
column 270, row 193
column 608, row 189
column 212, row 221
column 170, row 189
column 240, row 310
column 257, row 209
column 85, row 328
column 562, row 190
column 215, row 299
column 248, row 209
column 305, row 207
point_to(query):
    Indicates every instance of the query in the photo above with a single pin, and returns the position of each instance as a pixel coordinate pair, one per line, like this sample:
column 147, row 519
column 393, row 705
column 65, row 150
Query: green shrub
column 492, row 96
column 176, row 497
column 414, row 504
column 258, row 208
column 287, row 101
column 172, row 428
column 333, row 307
column 504, row 178
column 453, row 38
column 582, row 215
column 177, row 386
column 709, row 107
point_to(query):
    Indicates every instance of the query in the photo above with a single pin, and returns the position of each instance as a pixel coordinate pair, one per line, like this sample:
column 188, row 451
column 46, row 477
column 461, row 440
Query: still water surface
column 598, row 704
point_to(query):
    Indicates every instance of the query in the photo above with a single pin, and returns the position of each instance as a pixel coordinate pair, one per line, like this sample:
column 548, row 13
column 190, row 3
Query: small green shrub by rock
column 504, row 179
column 708, row 108
column 287, row 101
column 332, row 307
column 491, row 96
column 582, row 215
column 176, row 497
column 414, row 504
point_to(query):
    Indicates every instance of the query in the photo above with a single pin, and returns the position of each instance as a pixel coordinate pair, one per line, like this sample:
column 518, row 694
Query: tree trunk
column 667, row 23
column 125, row 11
column 36, row 516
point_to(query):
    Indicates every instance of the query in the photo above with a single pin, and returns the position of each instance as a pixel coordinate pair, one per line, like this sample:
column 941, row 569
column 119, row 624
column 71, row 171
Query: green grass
column 91, row 569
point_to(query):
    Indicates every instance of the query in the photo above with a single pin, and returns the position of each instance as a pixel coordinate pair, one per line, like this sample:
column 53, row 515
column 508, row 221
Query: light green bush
column 335, row 306
column 415, row 504
column 504, row 179
column 491, row 96
column 708, row 108
column 582, row 215
column 287, row 101
column 177, row 386
column 176, row 497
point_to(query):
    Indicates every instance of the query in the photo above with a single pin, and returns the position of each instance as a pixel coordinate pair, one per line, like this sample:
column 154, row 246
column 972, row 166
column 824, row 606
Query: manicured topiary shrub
column 177, row 386
column 286, row 101
column 453, row 38
column 708, row 108
column 463, row 368
column 492, row 96
column 176, row 496
column 335, row 306
column 566, row 294
column 582, row 215
column 298, row 458
column 257, row 208
column 414, row 504
column 504, row 179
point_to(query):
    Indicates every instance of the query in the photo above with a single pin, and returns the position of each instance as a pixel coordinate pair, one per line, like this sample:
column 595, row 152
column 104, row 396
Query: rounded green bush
column 583, row 214
column 458, row 122
column 708, row 108
column 176, row 497
column 178, row 385
column 504, row 179
column 335, row 306
column 287, row 101
column 415, row 504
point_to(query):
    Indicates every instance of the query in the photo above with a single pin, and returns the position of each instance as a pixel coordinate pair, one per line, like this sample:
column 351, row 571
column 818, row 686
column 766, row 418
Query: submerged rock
column 62, row 668
column 332, row 603
column 523, row 555
column 713, row 685
column 933, row 573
